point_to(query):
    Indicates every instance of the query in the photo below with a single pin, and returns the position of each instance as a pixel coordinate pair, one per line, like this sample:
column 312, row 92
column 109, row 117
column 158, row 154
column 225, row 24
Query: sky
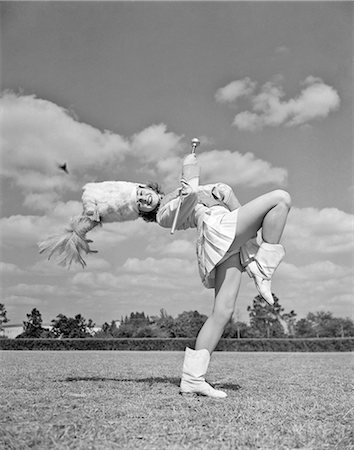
column 117, row 90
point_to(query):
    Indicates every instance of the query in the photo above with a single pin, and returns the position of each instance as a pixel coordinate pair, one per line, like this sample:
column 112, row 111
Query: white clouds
column 23, row 289
column 228, row 166
column 37, row 135
column 13, row 301
column 165, row 266
column 267, row 107
column 317, row 272
column 318, row 286
column 136, row 273
column 313, row 237
column 235, row 90
column 111, row 235
column 18, row 230
column 179, row 247
column 156, row 152
column 314, row 231
column 235, row 168
column 98, row 264
column 10, row 269
column 154, row 144
column 41, row 202
column 316, row 101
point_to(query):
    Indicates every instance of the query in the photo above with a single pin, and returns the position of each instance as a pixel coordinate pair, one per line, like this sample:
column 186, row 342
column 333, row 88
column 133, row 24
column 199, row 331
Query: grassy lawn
column 129, row 400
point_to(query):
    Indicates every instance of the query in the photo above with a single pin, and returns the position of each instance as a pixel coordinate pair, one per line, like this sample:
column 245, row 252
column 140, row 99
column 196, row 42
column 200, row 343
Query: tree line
column 264, row 322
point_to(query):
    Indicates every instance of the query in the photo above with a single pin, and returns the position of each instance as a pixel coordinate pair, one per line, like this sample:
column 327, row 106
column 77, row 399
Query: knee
column 283, row 198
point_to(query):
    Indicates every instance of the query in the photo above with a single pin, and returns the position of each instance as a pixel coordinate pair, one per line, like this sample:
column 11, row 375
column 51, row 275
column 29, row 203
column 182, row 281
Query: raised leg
column 269, row 212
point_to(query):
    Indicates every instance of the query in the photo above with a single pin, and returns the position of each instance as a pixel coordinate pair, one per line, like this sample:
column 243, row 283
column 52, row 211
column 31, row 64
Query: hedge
column 156, row 344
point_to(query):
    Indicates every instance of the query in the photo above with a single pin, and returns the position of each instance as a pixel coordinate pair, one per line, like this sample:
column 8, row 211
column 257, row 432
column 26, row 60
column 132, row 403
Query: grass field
column 129, row 400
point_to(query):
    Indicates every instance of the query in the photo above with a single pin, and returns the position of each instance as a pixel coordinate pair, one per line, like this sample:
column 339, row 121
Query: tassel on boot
column 195, row 366
column 261, row 269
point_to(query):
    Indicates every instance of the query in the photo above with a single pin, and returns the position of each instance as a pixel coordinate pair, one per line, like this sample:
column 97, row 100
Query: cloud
column 19, row 230
column 234, row 90
column 111, row 235
column 235, row 168
column 178, row 247
column 321, row 271
column 37, row 135
column 126, row 291
column 231, row 167
column 41, row 201
column 10, row 269
column 121, row 283
column 173, row 267
column 98, row 264
column 324, row 285
column 13, row 301
column 157, row 154
column 23, row 289
column 50, row 269
column 316, row 101
column 320, row 231
column 154, row 144
column 137, row 274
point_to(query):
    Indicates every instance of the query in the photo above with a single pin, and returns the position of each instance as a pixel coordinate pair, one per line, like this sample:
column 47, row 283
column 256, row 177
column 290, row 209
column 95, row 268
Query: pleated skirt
column 216, row 234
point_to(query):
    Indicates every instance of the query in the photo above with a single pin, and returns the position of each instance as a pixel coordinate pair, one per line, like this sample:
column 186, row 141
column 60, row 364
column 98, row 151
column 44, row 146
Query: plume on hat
column 108, row 201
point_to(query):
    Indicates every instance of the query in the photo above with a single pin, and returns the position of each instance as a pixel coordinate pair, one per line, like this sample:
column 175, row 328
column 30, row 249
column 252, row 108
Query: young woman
column 104, row 202
column 226, row 244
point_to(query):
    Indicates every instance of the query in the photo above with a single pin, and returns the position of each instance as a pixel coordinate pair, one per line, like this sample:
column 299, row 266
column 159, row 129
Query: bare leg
column 269, row 212
column 227, row 284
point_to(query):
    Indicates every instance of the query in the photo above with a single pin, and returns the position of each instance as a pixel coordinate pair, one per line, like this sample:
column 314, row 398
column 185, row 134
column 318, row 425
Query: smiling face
column 147, row 199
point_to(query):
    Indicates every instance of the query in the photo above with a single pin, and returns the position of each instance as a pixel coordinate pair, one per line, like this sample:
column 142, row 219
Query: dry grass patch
column 129, row 400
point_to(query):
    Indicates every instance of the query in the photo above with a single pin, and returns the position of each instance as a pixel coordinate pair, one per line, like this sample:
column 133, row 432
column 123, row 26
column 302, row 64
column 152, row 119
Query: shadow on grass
column 150, row 381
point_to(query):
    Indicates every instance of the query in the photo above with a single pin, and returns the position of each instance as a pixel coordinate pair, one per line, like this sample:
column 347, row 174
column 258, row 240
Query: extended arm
column 185, row 198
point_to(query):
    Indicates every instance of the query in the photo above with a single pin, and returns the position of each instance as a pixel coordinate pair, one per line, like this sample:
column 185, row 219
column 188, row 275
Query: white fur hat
column 110, row 201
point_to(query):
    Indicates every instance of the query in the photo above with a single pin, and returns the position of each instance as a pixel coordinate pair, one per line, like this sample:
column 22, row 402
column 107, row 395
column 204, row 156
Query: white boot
column 248, row 251
column 261, row 269
column 195, row 366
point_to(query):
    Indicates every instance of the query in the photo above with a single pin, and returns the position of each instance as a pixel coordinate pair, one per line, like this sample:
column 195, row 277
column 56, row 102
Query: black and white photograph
column 177, row 225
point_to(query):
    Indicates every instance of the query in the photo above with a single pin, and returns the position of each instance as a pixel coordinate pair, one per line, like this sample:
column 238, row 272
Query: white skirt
column 217, row 233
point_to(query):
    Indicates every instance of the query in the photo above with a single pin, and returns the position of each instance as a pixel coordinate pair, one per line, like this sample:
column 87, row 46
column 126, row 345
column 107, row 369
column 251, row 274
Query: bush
column 179, row 344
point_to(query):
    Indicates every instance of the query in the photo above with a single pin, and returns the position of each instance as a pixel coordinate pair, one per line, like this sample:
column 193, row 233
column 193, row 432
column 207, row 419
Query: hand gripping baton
column 194, row 142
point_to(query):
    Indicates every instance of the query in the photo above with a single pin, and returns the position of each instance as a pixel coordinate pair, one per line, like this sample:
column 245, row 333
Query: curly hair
column 151, row 215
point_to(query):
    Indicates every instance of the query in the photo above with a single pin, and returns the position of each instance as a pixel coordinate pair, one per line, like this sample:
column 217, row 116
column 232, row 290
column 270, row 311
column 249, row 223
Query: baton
column 194, row 142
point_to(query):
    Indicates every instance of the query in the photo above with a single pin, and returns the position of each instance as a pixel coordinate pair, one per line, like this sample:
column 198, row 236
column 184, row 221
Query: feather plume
column 70, row 246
